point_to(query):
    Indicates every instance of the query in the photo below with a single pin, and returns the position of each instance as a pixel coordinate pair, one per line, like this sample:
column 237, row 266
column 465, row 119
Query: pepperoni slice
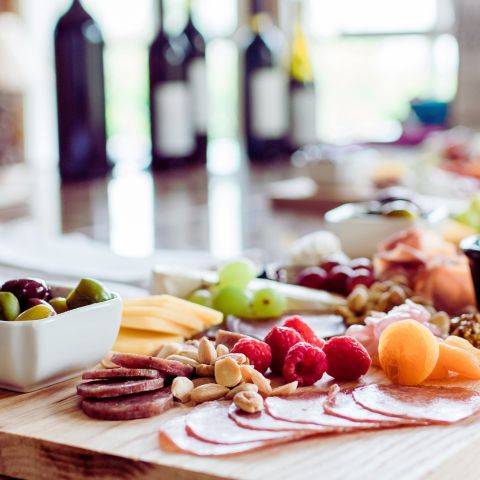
column 264, row 421
column 120, row 373
column 163, row 365
column 117, row 388
column 308, row 408
column 440, row 405
column 174, row 438
column 210, row 422
column 140, row 405
column 342, row 404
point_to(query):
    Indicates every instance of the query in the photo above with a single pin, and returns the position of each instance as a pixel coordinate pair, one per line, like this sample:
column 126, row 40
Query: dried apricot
column 440, row 372
column 462, row 343
column 459, row 360
column 408, row 352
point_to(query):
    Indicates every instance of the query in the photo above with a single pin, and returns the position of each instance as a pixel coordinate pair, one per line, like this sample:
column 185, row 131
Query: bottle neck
column 161, row 16
column 189, row 11
column 301, row 68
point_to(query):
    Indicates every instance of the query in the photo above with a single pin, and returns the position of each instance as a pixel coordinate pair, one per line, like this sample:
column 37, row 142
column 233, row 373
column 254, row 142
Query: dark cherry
column 27, row 288
column 338, row 278
column 312, row 277
column 332, row 261
column 361, row 262
column 361, row 276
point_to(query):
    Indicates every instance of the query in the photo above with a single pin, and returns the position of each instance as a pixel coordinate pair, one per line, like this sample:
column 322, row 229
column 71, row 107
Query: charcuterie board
column 45, row 435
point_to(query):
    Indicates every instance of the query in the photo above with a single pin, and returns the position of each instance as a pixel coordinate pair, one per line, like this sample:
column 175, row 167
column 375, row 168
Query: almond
column 240, row 358
column 206, row 351
column 245, row 387
column 261, row 382
column 107, row 362
column 227, row 372
column 222, row 350
column 184, row 360
column 169, row 349
column 246, row 373
column 190, row 352
column 208, row 392
column 182, row 388
column 248, row 401
column 287, row 389
column 204, row 370
column 202, row 381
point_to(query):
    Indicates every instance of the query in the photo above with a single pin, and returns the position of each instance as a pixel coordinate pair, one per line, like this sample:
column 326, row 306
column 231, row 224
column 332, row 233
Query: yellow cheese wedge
column 155, row 324
column 142, row 342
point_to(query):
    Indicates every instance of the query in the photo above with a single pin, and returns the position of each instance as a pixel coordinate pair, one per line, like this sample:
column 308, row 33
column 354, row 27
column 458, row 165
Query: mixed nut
column 31, row 298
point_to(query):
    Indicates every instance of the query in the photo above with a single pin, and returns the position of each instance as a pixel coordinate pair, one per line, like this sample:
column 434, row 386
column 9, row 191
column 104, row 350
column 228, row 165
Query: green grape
column 201, row 297
column 233, row 301
column 237, row 274
column 268, row 302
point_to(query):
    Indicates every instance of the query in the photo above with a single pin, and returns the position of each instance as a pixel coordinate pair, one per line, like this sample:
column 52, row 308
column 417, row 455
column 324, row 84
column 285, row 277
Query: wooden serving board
column 44, row 435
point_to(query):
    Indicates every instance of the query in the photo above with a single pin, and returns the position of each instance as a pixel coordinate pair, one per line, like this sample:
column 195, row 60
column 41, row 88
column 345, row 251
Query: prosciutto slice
column 436, row 405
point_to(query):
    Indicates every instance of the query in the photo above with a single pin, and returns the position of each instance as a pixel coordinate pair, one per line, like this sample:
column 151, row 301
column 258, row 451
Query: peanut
column 205, row 370
column 182, row 388
column 287, row 389
column 206, row 351
column 357, row 300
column 245, row 387
column 169, row 349
column 227, row 372
column 261, row 382
column 222, row 350
column 248, row 401
column 208, row 392
column 202, row 381
column 184, row 360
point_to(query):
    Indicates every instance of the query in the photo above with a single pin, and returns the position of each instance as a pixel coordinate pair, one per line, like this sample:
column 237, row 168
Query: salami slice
column 117, row 388
column 140, row 405
column 163, row 365
column 308, row 408
column 210, row 422
column 341, row 404
column 264, row 421
column 439, row 405
column 174, row 438
column 120, row 373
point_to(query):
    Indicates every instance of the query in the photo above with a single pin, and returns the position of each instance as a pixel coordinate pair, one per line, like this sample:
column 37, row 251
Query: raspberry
column 347, row 358
column 259, row 353
column 305, row 330
column 304, row 363
column 280, row 340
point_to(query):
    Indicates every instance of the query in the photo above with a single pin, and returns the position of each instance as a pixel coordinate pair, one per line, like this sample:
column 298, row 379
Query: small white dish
column 360, row 233
column 38, row 353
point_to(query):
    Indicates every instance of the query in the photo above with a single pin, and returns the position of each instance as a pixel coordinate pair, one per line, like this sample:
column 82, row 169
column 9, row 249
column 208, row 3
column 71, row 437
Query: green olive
column 88, row 291
column 37, row 313
column 59, row 304
column 9, row 306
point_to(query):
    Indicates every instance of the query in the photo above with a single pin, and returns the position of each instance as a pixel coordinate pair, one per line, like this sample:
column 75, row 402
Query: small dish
column 360, row 233
column 38, row 353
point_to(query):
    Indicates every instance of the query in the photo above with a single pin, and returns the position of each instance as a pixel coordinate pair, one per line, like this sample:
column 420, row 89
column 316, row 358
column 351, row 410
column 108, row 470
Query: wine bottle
column 197, row 80
column 303, row 117
column 172, row 126
column 80, row 95
column 265, row 90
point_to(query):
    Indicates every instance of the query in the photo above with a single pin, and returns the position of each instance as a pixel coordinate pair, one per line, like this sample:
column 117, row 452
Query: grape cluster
column 232, row 295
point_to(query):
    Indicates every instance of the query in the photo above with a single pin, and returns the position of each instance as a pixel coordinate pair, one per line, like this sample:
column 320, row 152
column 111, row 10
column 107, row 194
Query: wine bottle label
column 269, row 96
column 174, row 131
column 197, row 78
column 303, row 115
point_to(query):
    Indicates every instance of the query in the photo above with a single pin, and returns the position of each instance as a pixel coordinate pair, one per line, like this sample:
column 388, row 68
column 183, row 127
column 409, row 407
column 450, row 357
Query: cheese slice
column 155, row 324
column 142, row 342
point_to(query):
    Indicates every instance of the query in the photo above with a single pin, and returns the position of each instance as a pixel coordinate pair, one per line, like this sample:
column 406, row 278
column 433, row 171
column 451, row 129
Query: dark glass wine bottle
column 197, row 79
column 172, row 126
column 303, row 117
column 80, row 95
column 265, row 91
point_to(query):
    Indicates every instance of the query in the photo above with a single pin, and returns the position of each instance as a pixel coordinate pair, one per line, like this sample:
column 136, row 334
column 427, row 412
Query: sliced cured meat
column 120, row 373
column 210, row 422
column 174, row 438
column 342, row 404
column 140, row 405
column 308, row 408
column 117, row 388
column 439, row 405
column 264, row 421
column 163, row 365
column 229, row 339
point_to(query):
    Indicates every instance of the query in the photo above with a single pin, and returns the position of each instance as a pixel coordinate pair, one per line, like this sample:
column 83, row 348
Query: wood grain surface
column 44, row 435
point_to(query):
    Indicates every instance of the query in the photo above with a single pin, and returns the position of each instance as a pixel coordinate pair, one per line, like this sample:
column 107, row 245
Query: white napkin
column 75, row 256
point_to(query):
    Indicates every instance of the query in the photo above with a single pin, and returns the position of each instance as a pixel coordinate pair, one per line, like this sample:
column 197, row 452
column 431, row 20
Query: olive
column 88, row 291
column 32, row 302
column 9, row 306
column 25, row 288
column 37, row 313
column 402, row 209
column 59, row 304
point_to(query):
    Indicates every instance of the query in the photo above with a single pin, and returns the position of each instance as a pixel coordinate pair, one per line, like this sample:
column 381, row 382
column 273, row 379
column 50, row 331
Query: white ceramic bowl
column 38, row 353
column 360, row 233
